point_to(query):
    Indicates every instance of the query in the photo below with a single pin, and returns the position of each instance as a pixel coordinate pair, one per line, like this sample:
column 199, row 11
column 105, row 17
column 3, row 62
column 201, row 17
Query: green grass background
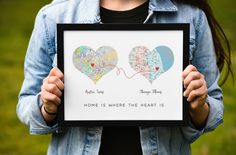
column 16, row 24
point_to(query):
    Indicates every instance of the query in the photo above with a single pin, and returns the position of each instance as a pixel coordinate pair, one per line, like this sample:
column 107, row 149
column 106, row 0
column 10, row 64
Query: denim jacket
column 41, row 57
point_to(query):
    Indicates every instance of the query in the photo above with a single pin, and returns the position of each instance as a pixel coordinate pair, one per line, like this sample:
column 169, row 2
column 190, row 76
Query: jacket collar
column 88, row 11
column 162, row 6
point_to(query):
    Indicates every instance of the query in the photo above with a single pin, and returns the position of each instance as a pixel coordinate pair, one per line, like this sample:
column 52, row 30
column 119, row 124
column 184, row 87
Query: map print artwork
column 150, row 64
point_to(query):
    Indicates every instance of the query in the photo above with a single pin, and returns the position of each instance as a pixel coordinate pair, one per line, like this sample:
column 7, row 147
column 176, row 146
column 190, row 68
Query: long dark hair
column 221, row 43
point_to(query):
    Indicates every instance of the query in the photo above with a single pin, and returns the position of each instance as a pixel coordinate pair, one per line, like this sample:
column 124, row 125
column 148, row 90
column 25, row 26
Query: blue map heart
column 151, row 64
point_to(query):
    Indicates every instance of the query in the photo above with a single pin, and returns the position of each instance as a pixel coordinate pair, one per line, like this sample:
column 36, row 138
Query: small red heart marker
column 157, row 68
column 92, row 64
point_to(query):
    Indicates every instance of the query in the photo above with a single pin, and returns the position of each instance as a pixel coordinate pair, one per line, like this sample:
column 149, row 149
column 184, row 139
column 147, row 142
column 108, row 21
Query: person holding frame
column 39, row 97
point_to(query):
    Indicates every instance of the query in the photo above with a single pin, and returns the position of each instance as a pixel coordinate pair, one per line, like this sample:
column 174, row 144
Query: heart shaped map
column 95, row 64
column 151, row 64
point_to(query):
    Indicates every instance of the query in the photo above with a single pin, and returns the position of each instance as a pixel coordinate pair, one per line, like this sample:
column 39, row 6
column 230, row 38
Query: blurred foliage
column 16, row 24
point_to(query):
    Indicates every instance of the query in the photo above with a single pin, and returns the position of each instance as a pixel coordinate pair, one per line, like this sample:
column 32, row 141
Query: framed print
column 123, row 75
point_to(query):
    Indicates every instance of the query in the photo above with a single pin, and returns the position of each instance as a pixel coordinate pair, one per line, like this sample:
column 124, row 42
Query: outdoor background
column 16, row 24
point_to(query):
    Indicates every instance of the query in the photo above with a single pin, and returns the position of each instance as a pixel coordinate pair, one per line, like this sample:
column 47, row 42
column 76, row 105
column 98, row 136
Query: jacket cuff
column 37, row 123
column 215, row 117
